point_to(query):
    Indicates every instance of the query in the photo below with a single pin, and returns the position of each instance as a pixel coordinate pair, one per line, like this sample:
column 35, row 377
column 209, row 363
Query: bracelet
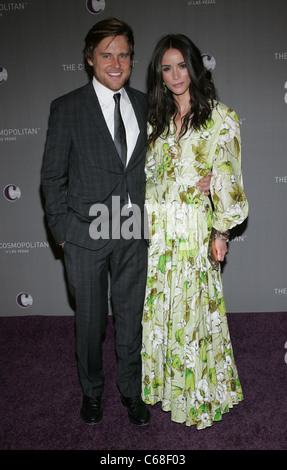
column 223, row 236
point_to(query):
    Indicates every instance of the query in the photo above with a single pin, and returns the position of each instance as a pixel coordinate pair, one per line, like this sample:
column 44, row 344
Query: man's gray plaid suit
column 81, row 167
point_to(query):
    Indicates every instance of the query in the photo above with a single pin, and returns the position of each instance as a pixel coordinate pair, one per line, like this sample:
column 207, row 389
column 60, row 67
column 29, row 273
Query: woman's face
column 175, row 73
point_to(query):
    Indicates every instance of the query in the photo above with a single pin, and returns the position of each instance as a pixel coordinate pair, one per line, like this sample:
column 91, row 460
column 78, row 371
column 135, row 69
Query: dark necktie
column 119, row 131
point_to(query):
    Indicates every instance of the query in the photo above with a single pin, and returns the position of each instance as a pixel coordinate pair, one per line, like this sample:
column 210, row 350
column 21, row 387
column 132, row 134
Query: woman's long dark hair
column 162, row 106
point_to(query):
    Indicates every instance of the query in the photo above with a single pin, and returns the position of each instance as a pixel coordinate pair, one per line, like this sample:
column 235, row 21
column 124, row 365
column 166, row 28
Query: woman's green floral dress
column 187, row 356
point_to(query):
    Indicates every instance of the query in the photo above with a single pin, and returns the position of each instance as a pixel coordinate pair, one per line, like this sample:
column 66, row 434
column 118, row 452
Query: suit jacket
column 81, row 166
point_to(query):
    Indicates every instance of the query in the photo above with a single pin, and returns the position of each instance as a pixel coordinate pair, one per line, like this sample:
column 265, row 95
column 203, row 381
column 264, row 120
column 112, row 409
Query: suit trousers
column 88, row 271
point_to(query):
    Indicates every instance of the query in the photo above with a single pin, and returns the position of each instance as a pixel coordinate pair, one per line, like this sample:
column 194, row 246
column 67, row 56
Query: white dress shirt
column 106, row 100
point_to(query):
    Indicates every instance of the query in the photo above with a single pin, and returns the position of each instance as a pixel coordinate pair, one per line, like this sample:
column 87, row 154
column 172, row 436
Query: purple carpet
column 40, row 396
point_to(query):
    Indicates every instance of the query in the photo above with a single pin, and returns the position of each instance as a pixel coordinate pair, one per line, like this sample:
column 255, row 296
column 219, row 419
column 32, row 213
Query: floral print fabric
column 187, row 356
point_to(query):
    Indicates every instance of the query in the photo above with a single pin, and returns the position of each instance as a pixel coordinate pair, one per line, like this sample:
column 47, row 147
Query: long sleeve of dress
column 229, row 199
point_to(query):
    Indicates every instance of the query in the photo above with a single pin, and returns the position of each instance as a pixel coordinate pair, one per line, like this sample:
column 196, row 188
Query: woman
column 188, row 362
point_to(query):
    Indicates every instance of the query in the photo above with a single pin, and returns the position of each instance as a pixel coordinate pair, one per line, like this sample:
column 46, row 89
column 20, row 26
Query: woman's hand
column 220, row 249
column 204, row 184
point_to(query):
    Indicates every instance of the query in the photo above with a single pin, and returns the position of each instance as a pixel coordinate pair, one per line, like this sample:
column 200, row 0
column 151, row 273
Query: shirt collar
column 105, row 95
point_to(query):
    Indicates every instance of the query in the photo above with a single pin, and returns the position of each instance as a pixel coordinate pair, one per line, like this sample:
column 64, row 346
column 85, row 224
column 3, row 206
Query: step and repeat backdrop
column 243, row 42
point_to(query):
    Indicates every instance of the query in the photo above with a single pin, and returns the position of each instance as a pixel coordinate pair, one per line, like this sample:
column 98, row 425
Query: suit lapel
column 141, row 118
column 93, row 108
column 139, row 112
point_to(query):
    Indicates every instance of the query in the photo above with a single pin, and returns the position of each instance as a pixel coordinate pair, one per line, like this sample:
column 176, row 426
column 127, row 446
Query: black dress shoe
column 138, row 412
column 91, row 411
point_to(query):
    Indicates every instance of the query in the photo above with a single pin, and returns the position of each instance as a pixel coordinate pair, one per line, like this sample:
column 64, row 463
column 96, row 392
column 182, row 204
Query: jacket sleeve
column 54, row 173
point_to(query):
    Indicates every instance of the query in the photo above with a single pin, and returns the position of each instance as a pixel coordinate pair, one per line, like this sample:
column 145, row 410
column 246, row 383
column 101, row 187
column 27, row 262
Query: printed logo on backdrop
column 240, row 238
column 280, row 179
column 201, row 2
column 209, row 61
column 282, row 56
column 11, row 192
column 73, row 67
column 13, row 7
column 280, row 290
column 3, row 75
column 21, row 247
column 95, row 6
column 12, row 134
column 24, row 300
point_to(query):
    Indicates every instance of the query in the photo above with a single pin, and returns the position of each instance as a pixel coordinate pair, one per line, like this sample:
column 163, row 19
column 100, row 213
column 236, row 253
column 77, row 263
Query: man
column 82, row 172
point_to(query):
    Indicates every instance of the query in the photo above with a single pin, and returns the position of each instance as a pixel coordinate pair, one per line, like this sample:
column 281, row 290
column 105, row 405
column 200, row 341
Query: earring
column 164, row 87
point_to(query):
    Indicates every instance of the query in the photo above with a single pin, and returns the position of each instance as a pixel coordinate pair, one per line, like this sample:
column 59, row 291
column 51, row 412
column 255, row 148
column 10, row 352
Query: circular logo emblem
column 24, row 300
column 3, row 75
column 96, row 6
column 12, row 192
column 208, row 61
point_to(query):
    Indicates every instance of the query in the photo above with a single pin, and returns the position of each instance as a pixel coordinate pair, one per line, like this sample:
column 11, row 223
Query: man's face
column 112, row 62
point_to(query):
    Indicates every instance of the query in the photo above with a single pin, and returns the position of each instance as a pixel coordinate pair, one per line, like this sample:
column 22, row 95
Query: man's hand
column 204, row 184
